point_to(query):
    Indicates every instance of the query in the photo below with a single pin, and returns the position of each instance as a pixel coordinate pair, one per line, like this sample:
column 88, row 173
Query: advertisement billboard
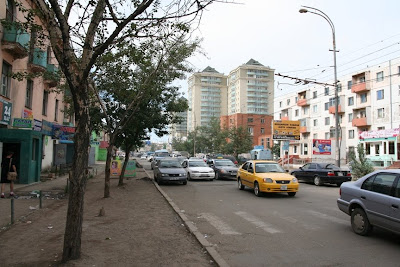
column 322, row 147
column 286, row 130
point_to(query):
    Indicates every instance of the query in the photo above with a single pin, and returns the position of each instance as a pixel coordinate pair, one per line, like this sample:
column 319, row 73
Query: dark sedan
column 224, row 168
column 169, row 170
column 320, row 173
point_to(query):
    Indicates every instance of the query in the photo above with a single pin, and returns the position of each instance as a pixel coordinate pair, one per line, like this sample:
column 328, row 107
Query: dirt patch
column 139, row 228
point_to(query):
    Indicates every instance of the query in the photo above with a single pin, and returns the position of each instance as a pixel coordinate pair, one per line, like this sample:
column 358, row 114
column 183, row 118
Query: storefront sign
column 286, row 130
column 22, row 123
column 37, row 125
column 321, row 147
column 27, row 114
column 5, row 112
column 380, row 134
column 47, row 128
column 63, row 132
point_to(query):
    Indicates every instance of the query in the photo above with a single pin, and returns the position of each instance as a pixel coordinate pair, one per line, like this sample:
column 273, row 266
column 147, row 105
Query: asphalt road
column 277, row 230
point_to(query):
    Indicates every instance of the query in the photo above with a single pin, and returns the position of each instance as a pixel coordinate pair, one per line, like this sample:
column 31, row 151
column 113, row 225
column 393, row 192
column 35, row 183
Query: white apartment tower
column 251, row 89
column 207, row 97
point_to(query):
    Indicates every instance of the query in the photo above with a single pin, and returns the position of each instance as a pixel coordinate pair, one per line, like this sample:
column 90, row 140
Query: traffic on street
column 279, row 229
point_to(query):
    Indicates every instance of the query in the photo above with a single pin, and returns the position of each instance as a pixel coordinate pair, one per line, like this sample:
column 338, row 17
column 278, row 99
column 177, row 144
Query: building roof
column 253, row 62
column 209, row 69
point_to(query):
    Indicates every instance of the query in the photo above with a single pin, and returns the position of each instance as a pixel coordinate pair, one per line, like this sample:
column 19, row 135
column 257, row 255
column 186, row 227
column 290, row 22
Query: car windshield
column 224, row 163
column 170, row 164
column 197, row 164
column 268, row 167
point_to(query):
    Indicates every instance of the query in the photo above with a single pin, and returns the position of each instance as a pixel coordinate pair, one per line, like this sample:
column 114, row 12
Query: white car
column 143, row 156
column 198, row 169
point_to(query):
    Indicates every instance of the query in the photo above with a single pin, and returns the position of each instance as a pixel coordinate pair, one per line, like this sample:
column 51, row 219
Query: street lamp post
column 306, row 9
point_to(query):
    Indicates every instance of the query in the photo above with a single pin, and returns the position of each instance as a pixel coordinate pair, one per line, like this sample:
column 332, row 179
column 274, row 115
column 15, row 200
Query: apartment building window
column 262, row 130
column 327, row 135
column 10, row 10
column 280, row 115
column 315, row 122
column 327, row 120
column 362, row 79
column 263, row 121
column 363, row 98
column 350, row 118
column 351, row 134
column 296, row 99
column 314, row 94
column 315, row 136
column 305, row 111
column 45, row 102
column 326, row 105
column 349, row 84
column 296, row 112
column 56, row 110
column 305, row 149
column 398, row 70
column 288, row 102
column 315, row 108
column 5, row 80
column 381, row 128
column 280, row 104
column 249, row 119
column 380, row 94
column 381, row 112
column 379, row 76
column 326, row 90
column 250, row 130
column 29, row 94
column 262, row 142
column 350, row 101
column 339, row 87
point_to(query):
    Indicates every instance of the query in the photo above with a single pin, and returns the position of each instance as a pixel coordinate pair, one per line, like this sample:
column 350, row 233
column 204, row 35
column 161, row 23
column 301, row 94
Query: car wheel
column 317, row 180
column 184, row 182
column 360, row 222
column 240, row 185
column 216, row 176
column 291, row 194
column 257, row 191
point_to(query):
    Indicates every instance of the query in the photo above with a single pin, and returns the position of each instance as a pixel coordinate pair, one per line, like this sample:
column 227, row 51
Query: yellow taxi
column 266, row 177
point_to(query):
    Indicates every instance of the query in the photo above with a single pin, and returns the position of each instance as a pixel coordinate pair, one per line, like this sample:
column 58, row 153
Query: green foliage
column 360, row 166
column 240, row 141
column 276, row 150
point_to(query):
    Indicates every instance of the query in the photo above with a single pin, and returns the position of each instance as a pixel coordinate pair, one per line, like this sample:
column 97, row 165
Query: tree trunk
column 121, row 177
column 108, row 172
column 78, row 179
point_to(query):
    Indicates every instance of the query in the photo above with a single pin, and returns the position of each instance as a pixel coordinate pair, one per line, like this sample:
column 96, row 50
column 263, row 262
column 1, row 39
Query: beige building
column 207, row 97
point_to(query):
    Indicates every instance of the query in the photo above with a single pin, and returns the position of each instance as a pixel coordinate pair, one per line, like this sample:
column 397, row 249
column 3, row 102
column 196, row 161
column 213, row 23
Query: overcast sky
column 274, row 33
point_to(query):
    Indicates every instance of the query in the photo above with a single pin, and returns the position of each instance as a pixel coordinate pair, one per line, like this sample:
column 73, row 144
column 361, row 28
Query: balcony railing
column 38, row 60
column 332, row 109
column 359, row 87
column 15, row 41
column 361, row 122
column 304, row 129
column 51, row 76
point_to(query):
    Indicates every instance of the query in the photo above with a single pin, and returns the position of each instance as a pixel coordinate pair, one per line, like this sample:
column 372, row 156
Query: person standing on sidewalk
column 8, row 164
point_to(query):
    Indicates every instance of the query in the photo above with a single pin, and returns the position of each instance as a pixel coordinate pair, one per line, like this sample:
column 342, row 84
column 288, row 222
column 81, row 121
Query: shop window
column 368, row 149
column 391, row 148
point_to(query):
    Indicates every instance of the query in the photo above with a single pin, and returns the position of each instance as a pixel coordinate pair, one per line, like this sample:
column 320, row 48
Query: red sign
column 321, row 147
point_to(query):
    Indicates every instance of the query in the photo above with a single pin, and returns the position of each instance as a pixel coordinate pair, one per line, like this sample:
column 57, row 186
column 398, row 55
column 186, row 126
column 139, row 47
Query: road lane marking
column 220, row 225
column 327, row 217
column 257, row 222
column 295, row 221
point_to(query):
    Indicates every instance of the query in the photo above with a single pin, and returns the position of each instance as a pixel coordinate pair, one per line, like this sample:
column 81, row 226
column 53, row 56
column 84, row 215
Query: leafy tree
column 360, row 166
column 240, row 141
column 276, row 150
column 78, row 42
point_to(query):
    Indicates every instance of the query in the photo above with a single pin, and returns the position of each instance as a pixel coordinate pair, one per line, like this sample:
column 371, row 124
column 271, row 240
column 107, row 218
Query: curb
column 192, row 228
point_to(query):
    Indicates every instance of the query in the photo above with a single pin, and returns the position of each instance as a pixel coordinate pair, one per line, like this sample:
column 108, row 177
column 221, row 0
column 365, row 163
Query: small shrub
column 360, row 166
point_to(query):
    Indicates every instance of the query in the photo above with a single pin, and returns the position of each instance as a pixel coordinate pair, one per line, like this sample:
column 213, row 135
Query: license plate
column 340, row 174
column 283, row 187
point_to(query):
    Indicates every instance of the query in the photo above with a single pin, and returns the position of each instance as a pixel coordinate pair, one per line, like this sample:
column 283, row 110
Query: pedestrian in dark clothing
column 7, row 165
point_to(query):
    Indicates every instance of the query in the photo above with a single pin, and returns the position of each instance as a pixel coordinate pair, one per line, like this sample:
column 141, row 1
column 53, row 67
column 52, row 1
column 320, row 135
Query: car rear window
column 381, row 183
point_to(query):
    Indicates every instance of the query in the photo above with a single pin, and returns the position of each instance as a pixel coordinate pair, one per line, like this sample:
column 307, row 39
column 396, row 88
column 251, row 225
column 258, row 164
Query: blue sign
column 258, row 147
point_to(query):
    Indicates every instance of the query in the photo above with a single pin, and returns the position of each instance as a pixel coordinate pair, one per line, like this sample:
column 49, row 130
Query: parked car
column 223, row 168
column 266, row 177
column 320, row 173
column 198, row 169
column 143, row 156
column 373, row 200
column 169, row 170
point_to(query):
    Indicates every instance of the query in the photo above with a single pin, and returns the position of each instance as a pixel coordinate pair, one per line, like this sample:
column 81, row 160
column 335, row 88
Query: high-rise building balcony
column 332, row 109
column 51, row 76
column 15, row 41
column 38, row 60
column 304, row 129
column 361, row 122
column 360, row 87
column 303, row 102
